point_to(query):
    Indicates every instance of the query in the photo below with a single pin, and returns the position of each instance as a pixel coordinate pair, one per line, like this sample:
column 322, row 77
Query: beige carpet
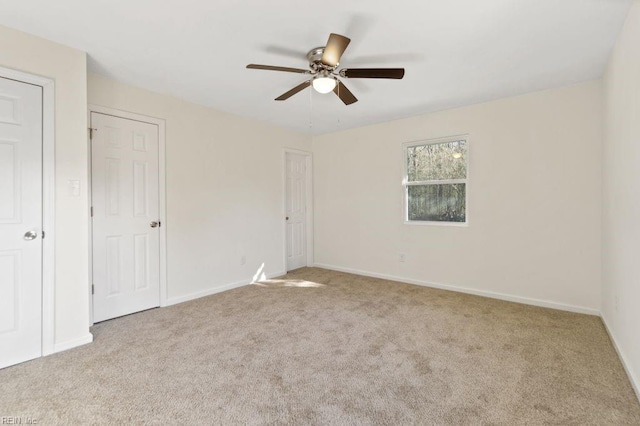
column 321, row 347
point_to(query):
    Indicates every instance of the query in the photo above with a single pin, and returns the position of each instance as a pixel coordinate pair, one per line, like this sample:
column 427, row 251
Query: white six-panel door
column 20, row 222
column 295, row 175
column 125, row 204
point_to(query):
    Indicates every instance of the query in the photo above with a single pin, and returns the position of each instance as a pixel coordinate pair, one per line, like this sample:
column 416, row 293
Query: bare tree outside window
column 436, row 181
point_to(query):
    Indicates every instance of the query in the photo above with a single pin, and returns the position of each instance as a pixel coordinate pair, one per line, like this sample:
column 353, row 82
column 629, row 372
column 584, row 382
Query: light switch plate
column 74, row 187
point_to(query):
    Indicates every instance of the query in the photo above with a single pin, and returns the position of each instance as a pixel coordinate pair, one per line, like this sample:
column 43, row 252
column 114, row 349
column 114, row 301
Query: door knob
column 287, row 218
column 30, row 235
column 154, row 224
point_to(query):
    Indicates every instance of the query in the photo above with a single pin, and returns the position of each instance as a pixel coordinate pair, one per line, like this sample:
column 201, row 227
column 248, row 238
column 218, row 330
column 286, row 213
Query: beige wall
column 534, row 200
column 224, row 188
column 621, row 195
column 67, row 67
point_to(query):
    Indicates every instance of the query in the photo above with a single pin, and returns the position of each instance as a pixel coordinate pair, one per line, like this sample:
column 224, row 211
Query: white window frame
column 406, row 184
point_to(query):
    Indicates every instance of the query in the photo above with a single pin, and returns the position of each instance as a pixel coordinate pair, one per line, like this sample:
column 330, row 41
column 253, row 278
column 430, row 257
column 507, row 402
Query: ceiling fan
column 323, row 64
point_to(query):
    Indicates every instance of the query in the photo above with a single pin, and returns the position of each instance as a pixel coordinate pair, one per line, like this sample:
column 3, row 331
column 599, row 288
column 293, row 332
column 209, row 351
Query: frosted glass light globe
column 324, row 84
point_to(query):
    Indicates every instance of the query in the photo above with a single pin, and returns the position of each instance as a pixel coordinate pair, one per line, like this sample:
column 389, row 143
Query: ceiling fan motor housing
column 315, row 59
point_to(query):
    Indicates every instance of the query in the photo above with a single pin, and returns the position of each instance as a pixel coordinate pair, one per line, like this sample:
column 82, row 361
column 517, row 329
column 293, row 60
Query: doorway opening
column 128, row 217
column 27, row 190
column 298, row 209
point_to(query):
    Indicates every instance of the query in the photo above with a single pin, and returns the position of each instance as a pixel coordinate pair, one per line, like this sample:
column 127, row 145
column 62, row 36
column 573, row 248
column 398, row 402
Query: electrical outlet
column 401, row 257
column 243, row 259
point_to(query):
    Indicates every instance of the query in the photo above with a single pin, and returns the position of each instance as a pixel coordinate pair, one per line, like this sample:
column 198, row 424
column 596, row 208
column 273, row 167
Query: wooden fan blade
column 272, row 68
column 344, row 94
column 396, row 73
column 336, row 45
column 293, row 91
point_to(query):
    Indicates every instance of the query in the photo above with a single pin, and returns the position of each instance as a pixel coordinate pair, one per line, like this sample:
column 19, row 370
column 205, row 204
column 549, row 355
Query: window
column 435, row 181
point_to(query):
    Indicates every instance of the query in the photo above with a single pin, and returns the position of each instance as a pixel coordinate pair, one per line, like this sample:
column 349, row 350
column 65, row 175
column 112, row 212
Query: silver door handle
column 30, row 235
column 154, row 224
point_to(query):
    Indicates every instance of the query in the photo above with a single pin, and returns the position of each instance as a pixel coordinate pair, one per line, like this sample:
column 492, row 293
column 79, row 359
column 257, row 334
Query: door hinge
column 43, row 234
column 91, row 130
column 91, row 211
column 93, row 289
column 159, row 224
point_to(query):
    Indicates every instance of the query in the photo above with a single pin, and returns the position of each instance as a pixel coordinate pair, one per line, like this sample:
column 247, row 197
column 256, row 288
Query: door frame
column 308, row 202
column 48, row 201
column 162, row 189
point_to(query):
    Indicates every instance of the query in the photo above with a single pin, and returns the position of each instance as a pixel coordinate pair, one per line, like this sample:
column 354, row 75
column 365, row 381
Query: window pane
column 437, row 203
column 437, row 161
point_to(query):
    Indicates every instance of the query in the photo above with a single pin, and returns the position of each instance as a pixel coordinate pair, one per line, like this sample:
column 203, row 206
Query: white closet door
column 125, row 200
column 20, row 222
column 296, row 176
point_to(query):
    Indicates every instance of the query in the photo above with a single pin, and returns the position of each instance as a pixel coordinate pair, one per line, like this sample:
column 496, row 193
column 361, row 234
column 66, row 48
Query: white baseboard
column 635, row 383
column 483, row 293
column 73, row 343
column 214, row 290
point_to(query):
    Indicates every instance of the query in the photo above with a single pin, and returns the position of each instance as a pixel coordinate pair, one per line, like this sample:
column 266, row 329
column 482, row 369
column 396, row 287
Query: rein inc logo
column 14, row 420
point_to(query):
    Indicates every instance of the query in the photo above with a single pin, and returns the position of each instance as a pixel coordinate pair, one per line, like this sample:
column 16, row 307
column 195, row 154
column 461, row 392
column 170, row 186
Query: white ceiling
column 456, row 52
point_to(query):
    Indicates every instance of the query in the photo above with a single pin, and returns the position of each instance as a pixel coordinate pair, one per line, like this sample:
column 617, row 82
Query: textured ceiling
column 456, row 52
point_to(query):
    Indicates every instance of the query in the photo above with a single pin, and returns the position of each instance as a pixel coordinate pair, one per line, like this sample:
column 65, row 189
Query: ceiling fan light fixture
column 323, row 73
column 324, row 84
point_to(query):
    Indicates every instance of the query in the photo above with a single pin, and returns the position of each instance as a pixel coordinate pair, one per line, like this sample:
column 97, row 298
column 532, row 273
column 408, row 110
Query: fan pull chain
column 338, row 124
column 311, row 107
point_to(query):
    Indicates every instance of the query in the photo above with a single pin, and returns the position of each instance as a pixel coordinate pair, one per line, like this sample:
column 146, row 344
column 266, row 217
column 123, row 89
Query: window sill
column 447, row 224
